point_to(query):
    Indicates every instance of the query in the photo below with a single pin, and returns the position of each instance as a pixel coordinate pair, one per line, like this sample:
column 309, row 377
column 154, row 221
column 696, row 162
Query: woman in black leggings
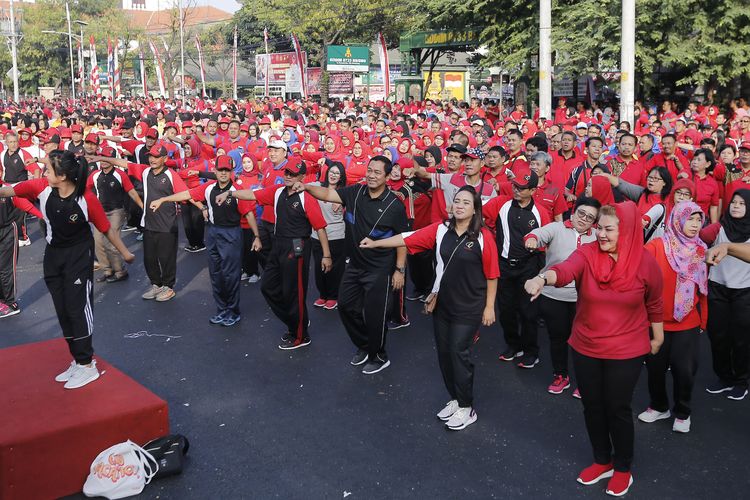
column 69, row 257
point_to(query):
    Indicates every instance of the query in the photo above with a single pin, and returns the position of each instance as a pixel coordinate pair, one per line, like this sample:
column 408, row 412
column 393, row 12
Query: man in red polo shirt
column 625, row 154
column 564, row 160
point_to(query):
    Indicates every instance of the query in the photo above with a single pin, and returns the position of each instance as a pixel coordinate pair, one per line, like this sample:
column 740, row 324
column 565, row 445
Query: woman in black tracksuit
column 467, row 262
column 69, row 257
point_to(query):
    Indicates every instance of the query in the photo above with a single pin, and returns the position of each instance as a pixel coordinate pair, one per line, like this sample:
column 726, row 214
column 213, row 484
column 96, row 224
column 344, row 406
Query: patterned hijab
column 685, row 256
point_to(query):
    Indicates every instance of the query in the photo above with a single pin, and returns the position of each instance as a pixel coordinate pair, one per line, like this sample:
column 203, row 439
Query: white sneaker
column 152, row 292
column 447, row 412
column 254, row 278
column 244, row 277
column 65, row 376
column 681, row 425
column 24, row 242
column 463, row 418
column 650, row 415
column 82, row 375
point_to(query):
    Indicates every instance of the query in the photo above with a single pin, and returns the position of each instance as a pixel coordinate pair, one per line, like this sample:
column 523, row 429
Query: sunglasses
column 289, row 173
column 585, row 215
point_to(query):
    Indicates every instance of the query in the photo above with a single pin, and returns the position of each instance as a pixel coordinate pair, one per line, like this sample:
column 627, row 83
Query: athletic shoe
column 127, row 229
column 139, row 236
column 288, row 337
column 359, row 357
column 24, row 242
column 321, row 302
column 115, row 278
column 650, row 415
column 577, row 394
column 559, row 384
column 461, row 419
column 718, row 387
column 254, row 278
column 375, row 366
column 216, row 320
column 65, row 376
column 510, row 354
column 8, row 310
column 165, row 294
column 294, row 343
column 450, row 408
column 414, row 296
column 595, row 473
column 103, row 278
column 244, row 277
column 681, row 425
column 82, row 375
column 737, row 393
column 152, row 292
column 189, row 248
column 619, row 484
column 528, row 361
column 231, row 320
column 331, row 305
column 392, row 325
column 199, row 248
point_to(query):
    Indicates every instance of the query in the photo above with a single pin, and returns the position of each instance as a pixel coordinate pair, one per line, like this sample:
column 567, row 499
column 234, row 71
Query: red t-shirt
column 613, row 324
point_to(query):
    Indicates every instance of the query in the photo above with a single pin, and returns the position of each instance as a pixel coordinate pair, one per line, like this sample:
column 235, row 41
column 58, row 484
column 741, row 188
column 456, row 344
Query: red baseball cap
column 76, row 128
column 107, row 151
column 290, row 123
column 224, row 162
column 224, row 119
column 295, row 167
column 265, row 121
column 744, row 145
column 157, row 151
column 187, row 124
column 64, row 133
column 526, row 178
column 171, row 125
column 152, row 133
column 91, row 137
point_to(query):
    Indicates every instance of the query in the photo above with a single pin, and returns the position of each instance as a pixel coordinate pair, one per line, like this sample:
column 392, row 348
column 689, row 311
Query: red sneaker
column 559, row 384
column 577, row 394
column 331, row 304
column 619, row 484
column 320, row 302
column 595, row 473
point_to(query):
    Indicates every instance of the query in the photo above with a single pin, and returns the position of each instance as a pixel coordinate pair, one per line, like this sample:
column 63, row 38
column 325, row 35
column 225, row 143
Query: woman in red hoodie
column 680, row 254
column 619, row 298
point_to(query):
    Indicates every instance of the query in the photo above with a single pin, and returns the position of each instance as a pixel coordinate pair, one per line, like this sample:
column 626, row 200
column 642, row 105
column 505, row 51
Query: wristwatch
column 402, row 270
column 541, row 275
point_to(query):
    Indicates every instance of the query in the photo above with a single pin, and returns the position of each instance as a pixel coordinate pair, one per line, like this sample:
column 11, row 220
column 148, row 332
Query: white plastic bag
column 120, row 471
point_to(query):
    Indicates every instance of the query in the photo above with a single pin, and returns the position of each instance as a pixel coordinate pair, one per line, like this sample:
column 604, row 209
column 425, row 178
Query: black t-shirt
column 14, row 168
column 376, row 218
column 291, row 219
column 521, row 221
column 75, row 149
column 463, row 288
column 155, row 186
column 226, row 214
column 111, row 187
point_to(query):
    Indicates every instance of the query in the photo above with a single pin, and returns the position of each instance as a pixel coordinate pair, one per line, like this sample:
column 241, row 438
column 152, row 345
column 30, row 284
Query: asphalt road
column 266, row 423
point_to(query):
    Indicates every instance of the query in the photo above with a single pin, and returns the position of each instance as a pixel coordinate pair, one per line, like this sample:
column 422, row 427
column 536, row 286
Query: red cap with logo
column 91, row 137
column 107, row 151
column 224, row 162
column 76, row 127
column 525, row 178
column 157, row 151
column 744, row 145
column 152, row 133
column 171, row 125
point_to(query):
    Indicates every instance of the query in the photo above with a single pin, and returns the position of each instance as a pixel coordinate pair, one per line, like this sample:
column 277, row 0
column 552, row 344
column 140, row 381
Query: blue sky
column 226, row 5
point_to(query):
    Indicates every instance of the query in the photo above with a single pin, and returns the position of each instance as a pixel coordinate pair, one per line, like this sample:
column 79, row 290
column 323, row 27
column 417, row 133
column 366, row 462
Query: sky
column 226, row 5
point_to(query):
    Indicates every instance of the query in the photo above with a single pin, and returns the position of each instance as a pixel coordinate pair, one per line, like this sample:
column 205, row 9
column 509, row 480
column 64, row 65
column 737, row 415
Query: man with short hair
column 625, row 154
column 580, row 176
column 372, row 211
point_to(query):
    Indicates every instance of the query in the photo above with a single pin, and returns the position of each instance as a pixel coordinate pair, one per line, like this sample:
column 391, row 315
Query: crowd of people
column 629, row 234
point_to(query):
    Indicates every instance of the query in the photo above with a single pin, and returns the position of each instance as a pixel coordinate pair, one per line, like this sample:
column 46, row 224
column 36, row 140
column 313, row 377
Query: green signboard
column 441, row 39
column 348, row 58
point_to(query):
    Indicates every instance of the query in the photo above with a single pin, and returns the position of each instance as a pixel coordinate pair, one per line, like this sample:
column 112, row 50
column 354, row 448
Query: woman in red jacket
column 467, row 262
column 619, row 298
column 680, row 254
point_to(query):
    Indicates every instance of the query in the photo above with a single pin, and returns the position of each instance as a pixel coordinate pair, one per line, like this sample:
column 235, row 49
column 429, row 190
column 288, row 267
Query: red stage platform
column 49, row 435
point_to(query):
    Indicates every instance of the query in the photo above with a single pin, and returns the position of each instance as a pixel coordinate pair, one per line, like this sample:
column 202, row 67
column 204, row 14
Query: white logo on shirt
column 73, row 217
column 77, row 282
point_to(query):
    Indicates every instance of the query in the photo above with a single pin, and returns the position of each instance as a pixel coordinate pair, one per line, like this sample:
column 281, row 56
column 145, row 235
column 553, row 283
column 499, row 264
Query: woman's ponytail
column 82, row 175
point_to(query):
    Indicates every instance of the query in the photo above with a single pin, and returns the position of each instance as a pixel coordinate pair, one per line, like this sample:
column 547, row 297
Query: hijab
column 601, row 189
column 618, row 274
column 395, row 155
column 685, row 255
column 436, row 153
column 738, row 230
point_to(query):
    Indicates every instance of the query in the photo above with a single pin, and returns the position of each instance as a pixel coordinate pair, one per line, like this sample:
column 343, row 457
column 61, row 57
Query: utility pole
column 182, row 51
column 70, row 47
column 13, row 52
column 627, row 62
column 545, row 59
column 81, row 24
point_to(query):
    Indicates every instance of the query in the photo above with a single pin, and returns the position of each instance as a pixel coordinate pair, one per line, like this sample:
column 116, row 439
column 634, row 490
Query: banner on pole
column 275, row 66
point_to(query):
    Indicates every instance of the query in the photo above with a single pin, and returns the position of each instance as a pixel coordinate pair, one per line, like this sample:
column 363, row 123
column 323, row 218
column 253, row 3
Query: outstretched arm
column 318, row 192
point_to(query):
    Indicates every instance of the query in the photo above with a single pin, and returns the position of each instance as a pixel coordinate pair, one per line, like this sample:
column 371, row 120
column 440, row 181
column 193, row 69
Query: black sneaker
column 377, row 365
column 359, row 357
column 718, row 387
column 737, row 393
column 414, row 296
column 510, row 354
column 189, row 248
column 127, row 229
column 199, row 248
column 294, row 343
column 528, row 361
column 392, row 325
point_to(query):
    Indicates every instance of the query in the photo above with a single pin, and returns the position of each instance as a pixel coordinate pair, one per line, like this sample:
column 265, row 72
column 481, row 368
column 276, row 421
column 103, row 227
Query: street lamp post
column 81, row 24
column 13, row 51
column 70, row 49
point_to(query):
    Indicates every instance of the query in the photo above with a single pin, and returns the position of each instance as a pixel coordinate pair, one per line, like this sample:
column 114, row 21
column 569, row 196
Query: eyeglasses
column 585, row 215
column 654, row 179
column 289, row 173
column 683, row 194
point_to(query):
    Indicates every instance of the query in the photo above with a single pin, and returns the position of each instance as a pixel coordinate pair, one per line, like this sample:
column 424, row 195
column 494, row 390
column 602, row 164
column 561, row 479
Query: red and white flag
column 200, row 63
column 384, row 67
column 159, row 70
column 110, row 68
column 117, row 70
column 94, row 68
column 267, row 59
column 301, row 65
